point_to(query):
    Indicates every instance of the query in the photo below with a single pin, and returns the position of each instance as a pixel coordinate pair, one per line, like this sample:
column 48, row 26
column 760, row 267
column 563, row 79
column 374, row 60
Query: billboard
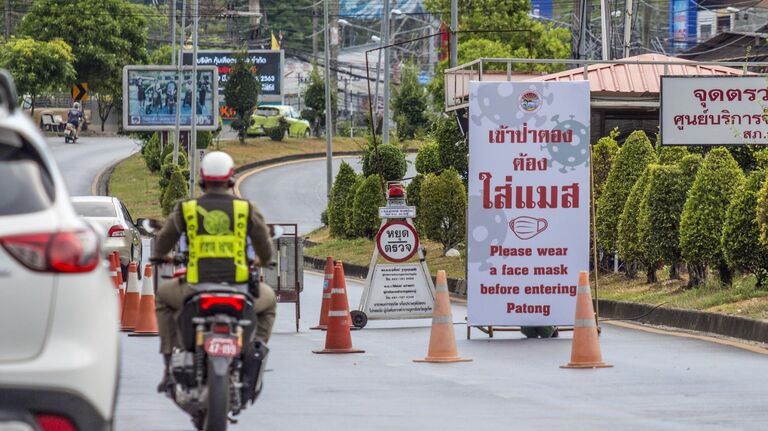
column 528, row 217
column 149, row 98
column 268, row 66
column 683, row 28
column 714, row 110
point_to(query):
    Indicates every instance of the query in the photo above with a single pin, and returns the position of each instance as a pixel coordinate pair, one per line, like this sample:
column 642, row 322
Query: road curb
column 100, row 184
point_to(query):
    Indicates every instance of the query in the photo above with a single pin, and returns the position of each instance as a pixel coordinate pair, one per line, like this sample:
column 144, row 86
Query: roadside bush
column 204, row 139
column 151, row 152
column 350, row 229
column 168, row 167
column 428, row 159
column 365, row 211
column 741, row 233
column 177, row 190
column 658, row 220
column 324, row 218
column 391, row 160
column 669, row 155
column 701, row 222
column 633, row 157
column 443, row 200
column 337, row 204
column 413, row 197
column 603, row 155
column 630, row 248
column 452, row 145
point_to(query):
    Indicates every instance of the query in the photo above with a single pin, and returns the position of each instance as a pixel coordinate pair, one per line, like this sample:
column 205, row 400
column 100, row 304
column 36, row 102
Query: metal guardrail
column 457, row 78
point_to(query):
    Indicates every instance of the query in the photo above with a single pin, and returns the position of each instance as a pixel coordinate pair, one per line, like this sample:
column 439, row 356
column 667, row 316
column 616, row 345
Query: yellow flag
column 275, row 44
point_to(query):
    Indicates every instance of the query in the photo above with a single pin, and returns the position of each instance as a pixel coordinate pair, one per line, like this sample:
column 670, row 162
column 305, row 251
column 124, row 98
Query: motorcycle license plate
column 221, row 346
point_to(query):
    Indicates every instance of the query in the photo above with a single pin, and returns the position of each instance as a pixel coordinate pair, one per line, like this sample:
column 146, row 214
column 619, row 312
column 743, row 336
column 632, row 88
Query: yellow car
column 267, row 117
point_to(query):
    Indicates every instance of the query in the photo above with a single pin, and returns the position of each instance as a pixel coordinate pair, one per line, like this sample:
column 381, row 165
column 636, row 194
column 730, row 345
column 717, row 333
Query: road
column 658, row 382
column 296, row 192
column 80, row 163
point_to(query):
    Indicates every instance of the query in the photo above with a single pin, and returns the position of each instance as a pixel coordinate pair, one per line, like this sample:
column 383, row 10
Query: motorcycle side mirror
column 148, row 226
column 276, row 231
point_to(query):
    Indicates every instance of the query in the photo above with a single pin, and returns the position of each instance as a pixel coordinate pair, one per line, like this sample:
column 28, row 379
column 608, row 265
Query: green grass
column 359, row 250
column 138, row 188
column 742, row 298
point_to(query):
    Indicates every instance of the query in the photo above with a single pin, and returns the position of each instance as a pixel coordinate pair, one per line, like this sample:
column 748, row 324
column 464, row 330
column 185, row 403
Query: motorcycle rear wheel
column 218, row 401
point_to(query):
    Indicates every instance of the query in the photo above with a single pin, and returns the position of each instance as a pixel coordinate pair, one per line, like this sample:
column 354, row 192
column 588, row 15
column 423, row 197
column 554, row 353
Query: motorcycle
column 218, row 368
column 171, row 101
column 70, row 133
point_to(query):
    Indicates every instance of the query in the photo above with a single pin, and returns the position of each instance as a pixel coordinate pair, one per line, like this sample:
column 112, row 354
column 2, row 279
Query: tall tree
column 409, row 103
column 242, row 94
column 37, row 66
column 105, row 35
column 314, row 100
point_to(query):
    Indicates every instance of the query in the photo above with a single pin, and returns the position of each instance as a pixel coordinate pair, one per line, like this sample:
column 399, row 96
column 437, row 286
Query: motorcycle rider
column 74, row 117
column 221, row 224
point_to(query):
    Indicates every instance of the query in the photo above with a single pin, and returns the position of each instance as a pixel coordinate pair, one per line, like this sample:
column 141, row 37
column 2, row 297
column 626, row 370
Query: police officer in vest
column 214, row 214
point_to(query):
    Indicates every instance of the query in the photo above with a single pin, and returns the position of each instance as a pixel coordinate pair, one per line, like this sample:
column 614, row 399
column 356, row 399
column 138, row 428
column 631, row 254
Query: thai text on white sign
column 726, row 110
column 399, row 291
column 528, row 225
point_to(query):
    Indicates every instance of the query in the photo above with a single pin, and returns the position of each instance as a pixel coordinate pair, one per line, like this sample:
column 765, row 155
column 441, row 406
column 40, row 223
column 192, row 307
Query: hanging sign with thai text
column 528, row 225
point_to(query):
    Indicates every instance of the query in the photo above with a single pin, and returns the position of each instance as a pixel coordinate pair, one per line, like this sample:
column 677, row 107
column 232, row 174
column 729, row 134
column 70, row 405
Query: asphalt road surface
column 658, row 382
column 296, row 192
column 80, row 163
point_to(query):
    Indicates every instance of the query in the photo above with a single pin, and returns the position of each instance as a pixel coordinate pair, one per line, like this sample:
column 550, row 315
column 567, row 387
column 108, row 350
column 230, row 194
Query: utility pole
column 604, row 29
column 328, row 108
column 314, row 30
column 193, row 129
column 386, row 41
column 333, row 16
column 646, row 37
column 454, row 39
column 7, row 19
column 627, row 27
column 180, row 81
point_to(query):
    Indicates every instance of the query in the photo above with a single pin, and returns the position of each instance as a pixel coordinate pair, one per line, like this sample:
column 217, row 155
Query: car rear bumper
column 121, row 245
column 19, row 404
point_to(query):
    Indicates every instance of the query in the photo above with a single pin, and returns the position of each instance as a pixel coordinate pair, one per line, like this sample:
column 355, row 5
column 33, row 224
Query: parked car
column 58, row 309
column 269, row 116
column 122, row 233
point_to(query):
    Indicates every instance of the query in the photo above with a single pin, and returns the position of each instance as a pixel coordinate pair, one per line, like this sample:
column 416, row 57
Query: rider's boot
column 162, row 387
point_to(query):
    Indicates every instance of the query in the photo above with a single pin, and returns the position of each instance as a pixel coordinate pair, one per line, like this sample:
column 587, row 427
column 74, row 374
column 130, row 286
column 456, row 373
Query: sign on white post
column 724, row 110
column 528, row 225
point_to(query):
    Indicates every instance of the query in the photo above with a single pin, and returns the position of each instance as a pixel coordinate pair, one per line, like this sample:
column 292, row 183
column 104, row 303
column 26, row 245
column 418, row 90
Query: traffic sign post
column 80, row 92
column 396, row 290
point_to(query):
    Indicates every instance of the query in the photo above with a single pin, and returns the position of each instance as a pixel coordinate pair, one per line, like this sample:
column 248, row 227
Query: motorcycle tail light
column 221, row 329
column 48, row 422
column 65, row 252
column 208, row 301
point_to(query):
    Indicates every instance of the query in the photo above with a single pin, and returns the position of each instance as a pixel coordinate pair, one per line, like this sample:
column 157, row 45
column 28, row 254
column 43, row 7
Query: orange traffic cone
column 113, row 270
column 146, row 323
column 120, row 289
column 585, row 349
column 442, row 340
column 323, row 325
column 132, row 299
column 338, row 338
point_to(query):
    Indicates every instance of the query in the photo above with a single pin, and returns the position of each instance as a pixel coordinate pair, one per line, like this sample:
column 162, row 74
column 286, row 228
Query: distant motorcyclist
column 216, row 225
column 75, row 118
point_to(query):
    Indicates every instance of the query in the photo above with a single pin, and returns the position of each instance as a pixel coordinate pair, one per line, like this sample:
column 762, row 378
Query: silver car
column 113, row 218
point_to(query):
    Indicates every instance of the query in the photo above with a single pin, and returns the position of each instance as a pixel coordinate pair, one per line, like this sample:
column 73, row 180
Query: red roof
column 636, row 79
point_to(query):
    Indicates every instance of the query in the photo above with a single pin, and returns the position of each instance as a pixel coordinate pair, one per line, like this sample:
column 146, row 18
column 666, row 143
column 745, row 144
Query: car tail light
column 209, row 301
column 54, row 423
column 67, row 252
column 116, row 231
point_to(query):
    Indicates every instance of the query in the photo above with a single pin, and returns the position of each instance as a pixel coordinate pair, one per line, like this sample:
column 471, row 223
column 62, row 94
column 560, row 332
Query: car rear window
column 95, row 209
column 26, row 185
column 267, row 112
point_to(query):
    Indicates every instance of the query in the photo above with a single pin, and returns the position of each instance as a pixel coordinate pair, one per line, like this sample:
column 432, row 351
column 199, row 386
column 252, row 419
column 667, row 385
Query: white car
column 59, row 342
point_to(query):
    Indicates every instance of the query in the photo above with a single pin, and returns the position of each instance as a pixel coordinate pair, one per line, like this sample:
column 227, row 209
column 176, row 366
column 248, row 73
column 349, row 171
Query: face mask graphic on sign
column 526, row 227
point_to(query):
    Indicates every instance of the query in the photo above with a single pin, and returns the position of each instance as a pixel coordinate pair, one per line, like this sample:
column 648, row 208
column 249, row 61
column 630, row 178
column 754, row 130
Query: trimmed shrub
column 701, row 222
column 151, row 152
column 350, row 229
column 337, row 205
column 443, row 201
column 658, row 223
column 177, row 190
column 168, row 166
column 629, row 241
column 741, row 233
column 634, row 156
column 365, row 210
column 453, row 147
column 603, row 155
column 391, row 161
column 204, row 139
column 669, row 155
column 428, row 159
column 413, row 197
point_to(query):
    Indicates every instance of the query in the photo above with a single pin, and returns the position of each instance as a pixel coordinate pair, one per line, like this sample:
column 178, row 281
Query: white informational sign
column 397, row 212
column 726, row 110
column 399, row 292
column 397, row 241
column 528, row 225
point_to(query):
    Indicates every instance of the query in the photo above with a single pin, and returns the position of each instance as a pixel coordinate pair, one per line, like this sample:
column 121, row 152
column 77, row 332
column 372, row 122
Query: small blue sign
column 424, row 78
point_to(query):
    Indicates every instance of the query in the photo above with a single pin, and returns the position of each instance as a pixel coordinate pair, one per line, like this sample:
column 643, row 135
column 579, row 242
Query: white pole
column 385, row 42
column 328, row 105
column 173, row 33
column 179, row 82
column 193, row 132
column 627, row 27
column 604, row 28
column 454, row 39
